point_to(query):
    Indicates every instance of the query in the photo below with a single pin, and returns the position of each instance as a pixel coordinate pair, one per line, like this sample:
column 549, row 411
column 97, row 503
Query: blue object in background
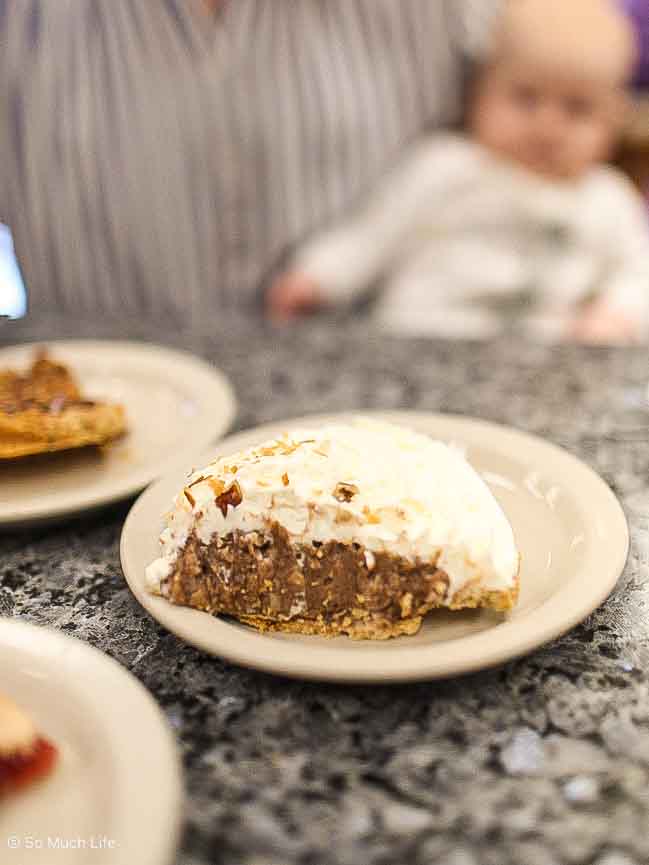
column 13, row 297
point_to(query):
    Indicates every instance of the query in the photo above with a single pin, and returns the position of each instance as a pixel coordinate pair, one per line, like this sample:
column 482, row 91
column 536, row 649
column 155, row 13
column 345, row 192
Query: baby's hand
column 291, row 295
column 602, row 325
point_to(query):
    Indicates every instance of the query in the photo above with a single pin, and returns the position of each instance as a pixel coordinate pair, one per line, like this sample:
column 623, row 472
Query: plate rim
column 168, row 799
column 247, row 650
column 131, row 485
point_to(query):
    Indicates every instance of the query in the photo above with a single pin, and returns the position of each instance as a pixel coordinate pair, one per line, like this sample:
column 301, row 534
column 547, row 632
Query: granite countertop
column 544, row 761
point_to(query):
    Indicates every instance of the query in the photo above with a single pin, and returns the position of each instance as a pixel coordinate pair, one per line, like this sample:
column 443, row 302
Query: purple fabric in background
column 639, row 12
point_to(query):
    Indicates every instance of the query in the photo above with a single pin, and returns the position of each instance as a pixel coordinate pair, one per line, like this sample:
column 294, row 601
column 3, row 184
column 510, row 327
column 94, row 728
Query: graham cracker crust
column 328, row 589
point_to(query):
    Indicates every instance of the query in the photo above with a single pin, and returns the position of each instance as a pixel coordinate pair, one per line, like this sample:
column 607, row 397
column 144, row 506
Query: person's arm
column 338, row 265
column 621, row 313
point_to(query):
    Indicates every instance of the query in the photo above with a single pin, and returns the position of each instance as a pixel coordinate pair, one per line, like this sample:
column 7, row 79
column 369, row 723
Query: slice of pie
column 25, row 756
column 43, row 410
column 356, row 529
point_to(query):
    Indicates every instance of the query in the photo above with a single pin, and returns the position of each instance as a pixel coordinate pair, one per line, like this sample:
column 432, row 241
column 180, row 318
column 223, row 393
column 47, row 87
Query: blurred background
column 632, row 157
column 634, row 149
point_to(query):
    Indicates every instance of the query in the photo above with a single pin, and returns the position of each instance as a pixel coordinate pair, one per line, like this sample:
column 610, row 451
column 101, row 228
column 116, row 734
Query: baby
column 518, row 225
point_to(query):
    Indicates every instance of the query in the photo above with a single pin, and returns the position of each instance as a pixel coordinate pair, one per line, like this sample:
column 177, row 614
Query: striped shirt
column 158, row 161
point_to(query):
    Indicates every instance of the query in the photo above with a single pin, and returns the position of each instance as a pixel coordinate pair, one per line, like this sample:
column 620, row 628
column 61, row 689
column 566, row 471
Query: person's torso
column 504, row 236
column 158, row 163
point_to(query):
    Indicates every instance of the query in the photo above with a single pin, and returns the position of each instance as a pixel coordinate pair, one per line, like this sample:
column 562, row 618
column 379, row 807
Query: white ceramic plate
column 175, row 404
column 114, row 797
column 570, row 530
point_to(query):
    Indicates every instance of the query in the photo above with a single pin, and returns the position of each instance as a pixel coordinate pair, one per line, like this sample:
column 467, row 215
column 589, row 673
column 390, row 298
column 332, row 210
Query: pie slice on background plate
column 42, row 410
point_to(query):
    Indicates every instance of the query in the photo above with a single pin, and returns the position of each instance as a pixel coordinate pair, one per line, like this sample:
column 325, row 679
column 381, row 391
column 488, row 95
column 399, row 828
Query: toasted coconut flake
column 345, row 492
column 371, row 518
column 231, row 497
column 217, row 486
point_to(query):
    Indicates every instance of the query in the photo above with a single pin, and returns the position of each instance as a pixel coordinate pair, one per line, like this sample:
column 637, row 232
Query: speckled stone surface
column 542, row 762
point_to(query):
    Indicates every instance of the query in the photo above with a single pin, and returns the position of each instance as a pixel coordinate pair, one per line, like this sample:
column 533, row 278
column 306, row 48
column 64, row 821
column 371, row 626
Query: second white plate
column 570, row 531
column 114, row 797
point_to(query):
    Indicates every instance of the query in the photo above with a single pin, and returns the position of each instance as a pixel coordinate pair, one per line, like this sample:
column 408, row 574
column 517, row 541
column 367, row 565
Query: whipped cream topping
column 17, row 732
column 385, row 487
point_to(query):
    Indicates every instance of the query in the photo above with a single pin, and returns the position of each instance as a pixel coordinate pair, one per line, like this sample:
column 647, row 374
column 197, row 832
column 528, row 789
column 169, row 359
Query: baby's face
column 556, row 126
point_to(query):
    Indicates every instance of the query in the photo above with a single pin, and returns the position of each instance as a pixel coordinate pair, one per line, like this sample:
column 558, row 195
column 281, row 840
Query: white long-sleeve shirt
column 464, row 242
